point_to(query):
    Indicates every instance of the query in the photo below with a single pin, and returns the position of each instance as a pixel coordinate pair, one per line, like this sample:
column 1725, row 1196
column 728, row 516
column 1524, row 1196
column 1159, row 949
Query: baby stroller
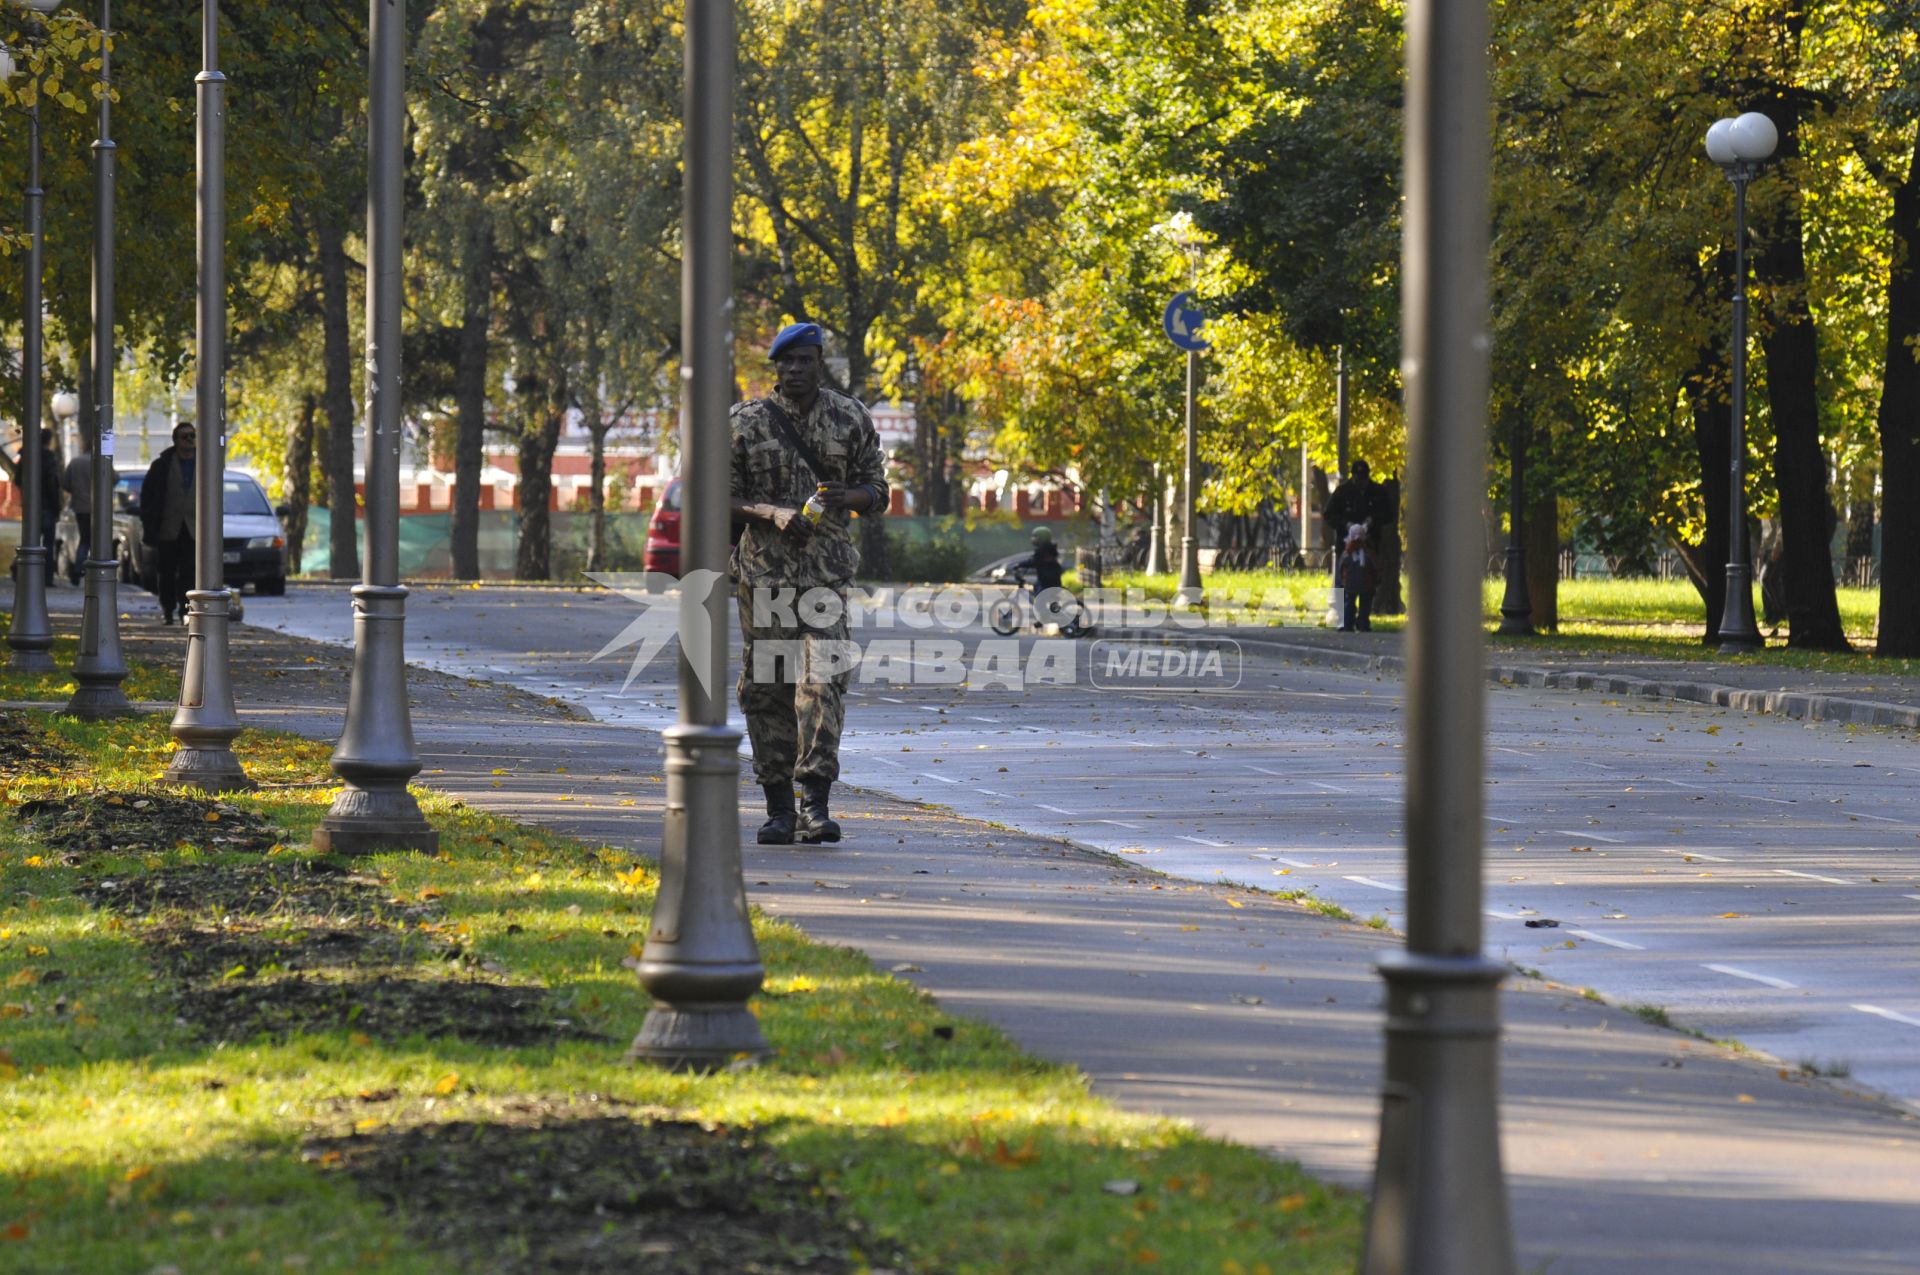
column 1356, row 574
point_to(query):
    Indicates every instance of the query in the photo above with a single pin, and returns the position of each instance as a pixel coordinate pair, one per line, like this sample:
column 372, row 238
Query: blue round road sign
column 1183, row 321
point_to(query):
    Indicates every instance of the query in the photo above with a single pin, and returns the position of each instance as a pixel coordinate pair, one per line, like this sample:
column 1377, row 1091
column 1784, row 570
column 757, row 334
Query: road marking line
column 1768, row 979
column 1694, row 854
column 1590, row 836
column 888, row 699
column 1277, row 774
column 1601, row 938
column 1314, row 783
column 928, row 774
column 886, row 762
column 1202, row 841
column 1378, row 885
column 1291, row 863
column 1876, row 818
column 1778, row 801
column 1813, row 876
column 1889, row 1014
column 1913, row 896
column 1504, row 916
column 926, row 708
column 1056, row 810
column 1121, row 823
column 991, row 720
column 990, row 792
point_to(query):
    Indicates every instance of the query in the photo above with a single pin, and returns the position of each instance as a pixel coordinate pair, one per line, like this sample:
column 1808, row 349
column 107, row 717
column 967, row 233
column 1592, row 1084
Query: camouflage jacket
column 767, row 470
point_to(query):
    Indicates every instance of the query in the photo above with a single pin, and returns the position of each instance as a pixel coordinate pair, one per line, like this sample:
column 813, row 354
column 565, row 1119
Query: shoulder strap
column 783, row 423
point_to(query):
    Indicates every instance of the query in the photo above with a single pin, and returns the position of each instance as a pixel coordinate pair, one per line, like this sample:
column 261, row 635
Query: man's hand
column 790, row 520
column 839, row 495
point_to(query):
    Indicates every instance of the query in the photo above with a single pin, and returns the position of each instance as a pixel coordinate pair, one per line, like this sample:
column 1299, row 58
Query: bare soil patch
column 385, row 1006
column 26, row 750
column 88, row 825
column 315, row 890
column 599, row 1186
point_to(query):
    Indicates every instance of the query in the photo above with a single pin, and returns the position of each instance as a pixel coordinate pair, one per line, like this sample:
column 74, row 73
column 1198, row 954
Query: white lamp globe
column 6, row 63
column 41, row 6
column 1720, row 142
column 66, row 404
column 1754, row 137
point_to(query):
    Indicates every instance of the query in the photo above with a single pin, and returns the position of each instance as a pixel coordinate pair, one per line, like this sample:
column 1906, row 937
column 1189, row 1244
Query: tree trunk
column 1799, row 464
column 300, row 481
column 343, row 561
column 597, row 497
column 1706, row 390
column 1900, row 431
column 1540, row 529
column 470, row 394
column 533, row 554
column 1387, row 599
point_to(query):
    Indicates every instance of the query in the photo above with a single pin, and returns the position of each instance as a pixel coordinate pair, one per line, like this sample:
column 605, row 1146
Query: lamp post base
column 375, row 755
column 698, row 1038
column 31, row 636
column 364, row 820
column 1516, row 605
column 100, row 668
column 1439, row 1198
column 1191, row 593
column 205, row 725
column 1739, row 632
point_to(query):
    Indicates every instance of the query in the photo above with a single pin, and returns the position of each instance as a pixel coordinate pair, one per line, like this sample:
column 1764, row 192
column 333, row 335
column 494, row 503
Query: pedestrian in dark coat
column 167, row 512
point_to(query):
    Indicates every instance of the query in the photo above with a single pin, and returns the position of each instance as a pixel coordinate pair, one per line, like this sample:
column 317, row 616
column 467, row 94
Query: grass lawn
column 222, row 1052
column 1645, row 619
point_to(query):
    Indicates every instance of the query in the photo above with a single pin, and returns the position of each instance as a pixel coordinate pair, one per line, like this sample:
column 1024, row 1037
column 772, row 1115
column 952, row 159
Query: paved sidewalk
column 1629, row 1149
column 1866, row 699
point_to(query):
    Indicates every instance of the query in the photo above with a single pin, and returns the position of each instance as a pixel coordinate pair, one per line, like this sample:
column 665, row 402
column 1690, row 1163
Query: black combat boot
column 778, row 829
column 815, row 825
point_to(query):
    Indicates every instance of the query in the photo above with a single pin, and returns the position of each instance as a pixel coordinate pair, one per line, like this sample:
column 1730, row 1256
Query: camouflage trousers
column 793, row 681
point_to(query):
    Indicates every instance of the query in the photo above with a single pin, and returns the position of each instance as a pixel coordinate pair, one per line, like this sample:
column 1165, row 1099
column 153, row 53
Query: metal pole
column 31, row 634
column 700, row 963
column 1156, row 534
column 1516, row 605
column 99, row 668
column 1738, row 630
column 1309, row 534
column 375, row 755
column 205, row 724
column 1191, row 594
column 1439, row 1201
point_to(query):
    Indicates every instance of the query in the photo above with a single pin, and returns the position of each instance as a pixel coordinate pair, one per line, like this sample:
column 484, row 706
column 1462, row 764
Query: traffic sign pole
column 1182, row 322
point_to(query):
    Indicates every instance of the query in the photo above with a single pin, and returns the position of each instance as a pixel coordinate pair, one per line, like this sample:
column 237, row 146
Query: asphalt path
column 1753, row 876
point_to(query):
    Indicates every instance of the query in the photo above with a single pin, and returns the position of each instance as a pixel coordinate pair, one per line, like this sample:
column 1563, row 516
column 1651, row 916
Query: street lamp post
column 99, row 668
column 700, row 963
column 1439, row 1199
column 205, row 724
column 31, row 636
column 375, row 755
column 1741, row 147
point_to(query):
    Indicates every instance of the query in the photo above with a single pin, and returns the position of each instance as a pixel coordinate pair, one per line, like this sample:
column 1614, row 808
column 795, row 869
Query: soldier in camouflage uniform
column 794, row 706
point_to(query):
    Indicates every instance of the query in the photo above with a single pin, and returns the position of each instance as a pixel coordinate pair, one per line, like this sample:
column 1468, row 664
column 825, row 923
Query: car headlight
column 267, row 542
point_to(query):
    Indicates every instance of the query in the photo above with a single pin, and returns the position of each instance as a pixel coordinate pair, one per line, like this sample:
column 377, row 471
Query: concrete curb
column 1803, row 705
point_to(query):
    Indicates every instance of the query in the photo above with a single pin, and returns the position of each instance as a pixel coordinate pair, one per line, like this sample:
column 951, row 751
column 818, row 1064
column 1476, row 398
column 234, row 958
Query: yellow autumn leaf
column 1235, row 903
column 447, row 1083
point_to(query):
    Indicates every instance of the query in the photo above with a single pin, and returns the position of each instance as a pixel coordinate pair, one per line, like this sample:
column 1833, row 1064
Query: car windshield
column 242, row 495
column 670, row 498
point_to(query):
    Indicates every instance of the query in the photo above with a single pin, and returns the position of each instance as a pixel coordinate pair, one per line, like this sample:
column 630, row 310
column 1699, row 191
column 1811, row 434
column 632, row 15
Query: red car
column 663, row 534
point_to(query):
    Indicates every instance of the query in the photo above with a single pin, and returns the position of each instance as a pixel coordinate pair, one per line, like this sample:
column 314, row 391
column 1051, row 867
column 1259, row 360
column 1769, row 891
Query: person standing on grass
column 167, row 514
column 804, row 459
column 77, row 480
column 1360, row 502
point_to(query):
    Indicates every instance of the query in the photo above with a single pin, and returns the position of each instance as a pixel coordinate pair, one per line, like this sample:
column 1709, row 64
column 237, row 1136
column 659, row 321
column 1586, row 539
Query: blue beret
column 796, row 334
